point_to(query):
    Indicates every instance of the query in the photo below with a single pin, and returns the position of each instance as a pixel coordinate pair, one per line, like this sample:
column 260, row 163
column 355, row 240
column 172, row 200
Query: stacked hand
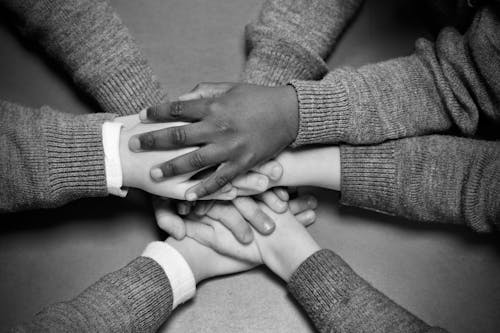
column 282, row 251
column 238, row 129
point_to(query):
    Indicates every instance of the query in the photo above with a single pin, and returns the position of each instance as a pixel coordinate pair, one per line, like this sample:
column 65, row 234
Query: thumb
column 206, row 90
column 167, row 220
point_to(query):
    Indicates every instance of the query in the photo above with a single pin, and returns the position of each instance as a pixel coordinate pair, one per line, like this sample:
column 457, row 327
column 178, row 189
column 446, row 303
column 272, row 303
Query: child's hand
column 282, row 251
column 205, row 262
column 235, row 216
column 244, row 127
column 136, row 166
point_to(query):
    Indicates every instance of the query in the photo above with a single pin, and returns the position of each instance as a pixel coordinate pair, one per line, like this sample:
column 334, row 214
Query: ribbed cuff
column 368, row 177
column 322, row 281
column 274, row 63
column 146, row 289
column 75, row 156
column 323, row 112
column 130, row 90
column 177, row 269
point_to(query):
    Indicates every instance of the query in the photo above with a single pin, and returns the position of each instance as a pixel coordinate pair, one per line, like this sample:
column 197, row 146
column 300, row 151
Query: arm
column 88, row 38
column 331, row 293
column 49, row 157
column 291, row 39
column 444, row 86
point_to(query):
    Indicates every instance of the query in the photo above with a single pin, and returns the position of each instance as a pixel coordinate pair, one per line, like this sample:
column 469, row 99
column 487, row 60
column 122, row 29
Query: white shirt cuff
column 112, row 163
column 177, row 269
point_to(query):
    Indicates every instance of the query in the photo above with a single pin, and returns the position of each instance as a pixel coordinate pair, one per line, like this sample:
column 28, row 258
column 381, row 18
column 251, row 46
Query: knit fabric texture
column 136, row 298
column 338, row 300
column 410, row 126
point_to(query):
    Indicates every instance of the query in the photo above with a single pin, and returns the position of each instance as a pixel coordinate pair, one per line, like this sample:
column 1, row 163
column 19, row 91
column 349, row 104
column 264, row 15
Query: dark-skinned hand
column 242, row 127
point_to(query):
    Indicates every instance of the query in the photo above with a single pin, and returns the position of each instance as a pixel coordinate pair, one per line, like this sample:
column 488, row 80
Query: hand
column 242, row 128
column 236, row 217
column 136, row 166
column 282, row 251
column 205, row 262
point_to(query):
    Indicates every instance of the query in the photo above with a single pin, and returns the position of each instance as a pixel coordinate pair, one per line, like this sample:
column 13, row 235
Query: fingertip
column 134, row 144
column 276, row 172
column 247, row 237
column 268, row 228
column 312, row 202
column 191, row 196
column 143, row 115
column 156, row 174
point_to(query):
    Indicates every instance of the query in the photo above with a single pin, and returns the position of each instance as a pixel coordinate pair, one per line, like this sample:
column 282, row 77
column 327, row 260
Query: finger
column 184, row 207
column 281, row 193
column 273, row 201
column 193, row 161
column 200, row 232
column 231, row 218
column 252, row 181
column 173, row 111
column 302, row 204
column 272, row 169
column 306, row 218
column 171, row 138
column 169, row 221
column 251, row 211
column 223, row 175
column 202, row 207
column 206, row 90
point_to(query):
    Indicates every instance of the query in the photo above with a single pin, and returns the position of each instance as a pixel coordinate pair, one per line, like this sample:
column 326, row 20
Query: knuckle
column 196, row 160
column 221, row 180
column 168, row 169
column 176, row 109
column 178, row 135
column 147, row 140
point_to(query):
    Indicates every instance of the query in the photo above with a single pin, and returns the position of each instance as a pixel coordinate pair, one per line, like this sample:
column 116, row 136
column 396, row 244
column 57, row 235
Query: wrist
column 192, row 252
column 285, row 261
column 289, row 110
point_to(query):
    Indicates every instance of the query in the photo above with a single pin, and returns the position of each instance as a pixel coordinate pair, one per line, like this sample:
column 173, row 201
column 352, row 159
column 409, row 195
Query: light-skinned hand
column 236, row 215
column 282, row 251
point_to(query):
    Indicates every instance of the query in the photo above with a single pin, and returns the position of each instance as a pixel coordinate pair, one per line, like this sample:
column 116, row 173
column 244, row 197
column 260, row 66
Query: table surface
column 448, row 276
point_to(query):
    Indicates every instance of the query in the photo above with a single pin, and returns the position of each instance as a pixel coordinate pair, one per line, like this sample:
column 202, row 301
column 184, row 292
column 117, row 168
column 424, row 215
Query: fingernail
column 312, row 202
column 247, row 237
column 134, row 144
column 156, row 173
column 191, row 197
column 268, row 227
column 276, row 173
column 310, row 216
column 143, row 115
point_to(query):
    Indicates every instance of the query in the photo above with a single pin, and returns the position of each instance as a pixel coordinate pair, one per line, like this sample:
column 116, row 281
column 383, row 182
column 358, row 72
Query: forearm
column 337, row 299
column 49, row 158
column 291, row 39
column 449, row 84
column 432, row 178
column 318, row 167
column 136, row 298
column 88, row 38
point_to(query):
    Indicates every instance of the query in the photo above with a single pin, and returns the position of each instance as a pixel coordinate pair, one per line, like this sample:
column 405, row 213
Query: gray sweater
column 49, row 158
column 408, row 113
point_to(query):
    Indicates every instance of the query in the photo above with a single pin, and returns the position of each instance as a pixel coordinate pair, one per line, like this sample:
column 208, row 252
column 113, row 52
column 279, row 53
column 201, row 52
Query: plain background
column 446, row 275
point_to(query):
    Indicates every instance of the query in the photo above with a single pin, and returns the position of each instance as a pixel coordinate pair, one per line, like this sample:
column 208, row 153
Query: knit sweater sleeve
column 291, row 38
column 439, row 179
column 449, row 85
column 338, row 300
column 136, row 298
column 49, row 157
column 88, row 38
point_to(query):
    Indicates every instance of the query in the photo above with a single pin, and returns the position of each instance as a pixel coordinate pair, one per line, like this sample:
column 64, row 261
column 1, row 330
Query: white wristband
column 112, row 163
column 176, row 268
